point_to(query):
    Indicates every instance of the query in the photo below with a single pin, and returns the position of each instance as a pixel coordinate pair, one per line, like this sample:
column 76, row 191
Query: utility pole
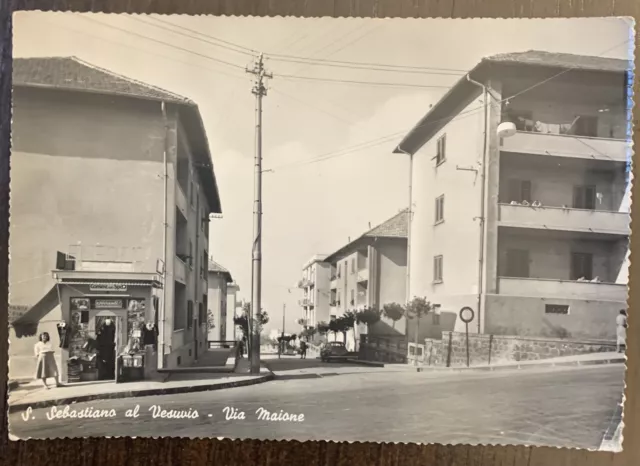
column 282, row 345
column 260, row 91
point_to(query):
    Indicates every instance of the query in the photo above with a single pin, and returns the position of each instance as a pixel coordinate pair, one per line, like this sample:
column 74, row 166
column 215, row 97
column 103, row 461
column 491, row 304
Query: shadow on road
column 292, row 363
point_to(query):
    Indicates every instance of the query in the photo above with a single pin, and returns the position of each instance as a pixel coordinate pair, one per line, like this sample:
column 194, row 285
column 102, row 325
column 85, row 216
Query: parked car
column 333, row 350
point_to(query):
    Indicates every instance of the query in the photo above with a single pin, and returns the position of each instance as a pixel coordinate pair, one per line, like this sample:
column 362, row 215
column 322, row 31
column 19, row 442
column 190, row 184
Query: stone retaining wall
column 499, row 349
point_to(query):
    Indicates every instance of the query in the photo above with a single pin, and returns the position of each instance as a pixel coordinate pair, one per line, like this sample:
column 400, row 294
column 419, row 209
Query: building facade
column 315, row 300
column 370, row 272
column 234, row 308
column 529, row 228
column 112, row 187
column 220, row 310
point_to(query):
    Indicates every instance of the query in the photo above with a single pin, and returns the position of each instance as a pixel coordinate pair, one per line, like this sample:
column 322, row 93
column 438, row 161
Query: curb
column 365, row 363
column 594, row 362
column 139, row 393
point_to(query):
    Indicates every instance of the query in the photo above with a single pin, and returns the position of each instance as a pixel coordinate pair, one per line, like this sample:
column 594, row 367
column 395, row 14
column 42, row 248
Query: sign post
column 466, row 316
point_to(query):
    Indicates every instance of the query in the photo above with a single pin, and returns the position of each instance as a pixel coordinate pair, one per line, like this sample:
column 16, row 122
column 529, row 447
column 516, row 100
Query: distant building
column 234, row 308
column 220, row 285
column 530, row 230
column 316, row 293
column 369, row 271
column 112, row 186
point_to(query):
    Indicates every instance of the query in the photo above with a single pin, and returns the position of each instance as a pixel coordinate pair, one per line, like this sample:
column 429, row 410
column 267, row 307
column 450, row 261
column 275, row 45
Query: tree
column 259, row 321
column 393, row 311
column 302, row 322
column 335, row 326
column 211, row 324
column 308, row 332
column 322, row 328
column 348, row 322
column 416, row 309
column 368, row 316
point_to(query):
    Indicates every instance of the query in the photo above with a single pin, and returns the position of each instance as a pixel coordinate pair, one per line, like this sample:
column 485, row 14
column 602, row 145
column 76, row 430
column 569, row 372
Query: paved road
column 569, row 407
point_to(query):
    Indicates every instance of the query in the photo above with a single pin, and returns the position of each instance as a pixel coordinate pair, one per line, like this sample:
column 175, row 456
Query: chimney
column 369, row 225
column 348, row 239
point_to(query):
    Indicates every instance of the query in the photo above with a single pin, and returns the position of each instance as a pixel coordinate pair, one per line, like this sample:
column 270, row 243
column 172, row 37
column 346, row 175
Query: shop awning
column 46, row 304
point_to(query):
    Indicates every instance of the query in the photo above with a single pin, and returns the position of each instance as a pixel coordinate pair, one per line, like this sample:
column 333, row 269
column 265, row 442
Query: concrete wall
column 322, row 293
column 217, row 306
column 457, row 237
column 83, row 168
column 587, row 319
column 232, row 310
column 390, row 277
column 485, row 349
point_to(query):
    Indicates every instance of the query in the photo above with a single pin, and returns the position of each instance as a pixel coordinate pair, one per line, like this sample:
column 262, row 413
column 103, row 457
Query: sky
column 328, row 132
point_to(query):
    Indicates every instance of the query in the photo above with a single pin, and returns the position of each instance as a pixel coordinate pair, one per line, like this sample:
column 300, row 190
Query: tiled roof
column 562, row 60
column 73, row 74
column 215, row 267
column 395, row 227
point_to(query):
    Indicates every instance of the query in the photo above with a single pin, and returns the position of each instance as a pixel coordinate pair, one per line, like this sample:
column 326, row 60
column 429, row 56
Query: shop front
column 109, row 326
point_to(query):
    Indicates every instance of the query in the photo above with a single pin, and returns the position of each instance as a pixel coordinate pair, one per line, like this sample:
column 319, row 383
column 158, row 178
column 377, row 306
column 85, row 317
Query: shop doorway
column 106, row 342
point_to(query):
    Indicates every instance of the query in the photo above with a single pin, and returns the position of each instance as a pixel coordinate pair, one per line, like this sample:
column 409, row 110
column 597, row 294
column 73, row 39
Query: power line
column 370, row 83
column 383, row 68
column 383, row 139
column 214, row 40
column 164, row 43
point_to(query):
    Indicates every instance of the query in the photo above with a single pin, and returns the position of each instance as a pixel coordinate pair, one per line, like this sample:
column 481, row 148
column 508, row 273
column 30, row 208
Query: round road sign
column 466, row 314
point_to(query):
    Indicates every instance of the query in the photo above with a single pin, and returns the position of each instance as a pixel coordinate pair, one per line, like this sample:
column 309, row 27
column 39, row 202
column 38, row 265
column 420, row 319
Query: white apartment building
column 527, row 227
column 315, row 286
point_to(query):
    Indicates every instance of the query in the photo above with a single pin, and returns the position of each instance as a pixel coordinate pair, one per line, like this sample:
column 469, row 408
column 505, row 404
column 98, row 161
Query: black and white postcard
column 383, row 230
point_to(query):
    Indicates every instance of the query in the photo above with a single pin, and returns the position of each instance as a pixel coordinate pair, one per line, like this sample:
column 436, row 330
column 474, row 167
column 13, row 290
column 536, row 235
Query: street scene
column 320, row 229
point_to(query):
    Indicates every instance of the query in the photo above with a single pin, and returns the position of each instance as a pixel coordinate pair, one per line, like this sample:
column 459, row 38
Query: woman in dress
column 621, row 331
column 46, row 366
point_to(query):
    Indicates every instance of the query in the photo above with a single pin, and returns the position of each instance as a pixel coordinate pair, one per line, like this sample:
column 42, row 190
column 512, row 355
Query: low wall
column 499, row 349
column 390, row 349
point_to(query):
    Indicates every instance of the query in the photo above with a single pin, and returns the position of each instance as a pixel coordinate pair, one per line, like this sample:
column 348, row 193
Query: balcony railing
column 569, row 289
column 333, row 284
column 559, row 218
column 180, row 271
column 181, row 201
column 563, row 145
column 363, row 275
column 305, row 302
column 305, row 283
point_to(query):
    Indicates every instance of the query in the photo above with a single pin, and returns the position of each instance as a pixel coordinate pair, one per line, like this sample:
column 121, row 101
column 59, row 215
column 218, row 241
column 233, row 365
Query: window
column 440, row 209
column 204, row 264
column 517, row 263
column 441, row 149
column 192, row 193
column 189, row 314
column 556, row 309
column 353, row 266
column 200, row 313
column 586, row 126
column 437, row 269
column 353, row 297
column 190, row 258
column 584, row 197
column 339, row 273
column 338, row 300
column 581, row 266
column 519, row 191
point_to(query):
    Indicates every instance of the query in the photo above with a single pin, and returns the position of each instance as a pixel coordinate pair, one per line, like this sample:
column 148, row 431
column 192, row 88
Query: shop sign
column 108, row 304
column 108, row 287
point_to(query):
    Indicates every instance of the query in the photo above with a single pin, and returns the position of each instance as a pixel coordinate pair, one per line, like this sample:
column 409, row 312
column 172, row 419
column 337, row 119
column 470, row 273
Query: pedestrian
column 46, row 366
column 621, row 331
column 303, row 349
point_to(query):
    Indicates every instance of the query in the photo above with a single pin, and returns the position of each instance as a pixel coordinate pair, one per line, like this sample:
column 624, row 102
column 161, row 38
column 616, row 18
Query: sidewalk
column 578, row 360
column 167, row 384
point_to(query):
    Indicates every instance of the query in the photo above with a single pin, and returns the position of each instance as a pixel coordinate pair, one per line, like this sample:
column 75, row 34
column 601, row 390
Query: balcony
column 304, row 283
column 306, row 302
column 181, row 201
column 333, row 285
column 563, row 145
column 558, row 218
column 363, row 275
column 546, row 288
column 180, row 271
